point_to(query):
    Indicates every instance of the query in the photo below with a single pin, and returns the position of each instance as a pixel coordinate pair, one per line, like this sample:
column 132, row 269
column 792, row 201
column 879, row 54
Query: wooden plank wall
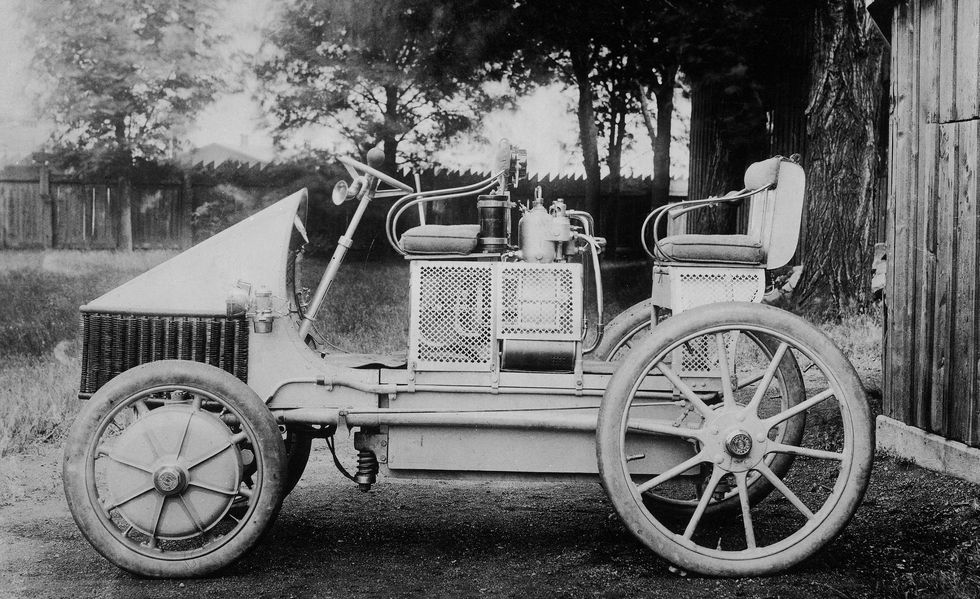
column 932, row 302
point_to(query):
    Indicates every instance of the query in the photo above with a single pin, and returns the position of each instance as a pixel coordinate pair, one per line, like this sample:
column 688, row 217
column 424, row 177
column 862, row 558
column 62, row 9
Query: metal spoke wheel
column 158, row 457
column 732, row 439
column 748, row 362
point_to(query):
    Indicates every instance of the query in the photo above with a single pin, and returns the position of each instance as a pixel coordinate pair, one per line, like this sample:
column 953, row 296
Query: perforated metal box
column 460, row 309
column 452, row 318
column 686, row 287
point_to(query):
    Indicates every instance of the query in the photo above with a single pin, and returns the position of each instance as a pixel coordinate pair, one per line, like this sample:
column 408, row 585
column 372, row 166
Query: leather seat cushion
column 740, row 249
column 440, row 239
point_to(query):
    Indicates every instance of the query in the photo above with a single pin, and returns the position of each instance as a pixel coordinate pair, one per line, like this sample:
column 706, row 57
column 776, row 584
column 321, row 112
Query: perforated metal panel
column 461, row 309
column 692, row 287
column 699, row 357
column 540, row 301
column 697, row 286
column 452, row 316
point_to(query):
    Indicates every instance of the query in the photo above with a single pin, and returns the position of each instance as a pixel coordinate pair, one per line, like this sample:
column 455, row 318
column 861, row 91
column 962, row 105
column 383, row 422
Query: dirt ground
column 915, row 535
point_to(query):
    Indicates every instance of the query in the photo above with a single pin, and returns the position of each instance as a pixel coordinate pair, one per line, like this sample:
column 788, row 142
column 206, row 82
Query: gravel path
column 917, row 532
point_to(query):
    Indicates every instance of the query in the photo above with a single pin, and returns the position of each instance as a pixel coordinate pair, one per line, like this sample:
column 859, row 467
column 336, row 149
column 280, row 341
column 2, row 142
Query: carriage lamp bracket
column 239, row 299
column 262, row 316
column 256, row 304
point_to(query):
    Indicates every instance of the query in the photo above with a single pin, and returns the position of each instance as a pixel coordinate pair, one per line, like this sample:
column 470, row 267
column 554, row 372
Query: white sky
column 544, row 122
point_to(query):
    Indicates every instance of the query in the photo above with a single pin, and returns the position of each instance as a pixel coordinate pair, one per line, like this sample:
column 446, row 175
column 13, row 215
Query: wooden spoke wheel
column 733, row 438
column 157, row 459
column 748, row 361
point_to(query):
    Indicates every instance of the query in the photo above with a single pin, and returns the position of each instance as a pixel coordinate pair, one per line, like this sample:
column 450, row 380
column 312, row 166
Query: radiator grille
column 114, row 343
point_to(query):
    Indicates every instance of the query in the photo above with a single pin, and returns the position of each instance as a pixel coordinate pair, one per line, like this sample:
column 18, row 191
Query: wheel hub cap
column 735, row 439
column 739, row 443
column 174, row 473
column 170, row 480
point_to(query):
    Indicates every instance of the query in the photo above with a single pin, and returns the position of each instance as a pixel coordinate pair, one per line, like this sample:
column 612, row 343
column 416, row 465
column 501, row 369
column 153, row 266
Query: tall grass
column 858, row 334
column 38, row 397
column 76, row 262
column 40, row 292
column 367, row 309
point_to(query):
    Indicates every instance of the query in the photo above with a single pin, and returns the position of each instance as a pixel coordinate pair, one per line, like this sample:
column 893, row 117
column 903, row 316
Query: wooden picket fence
column 39, row 209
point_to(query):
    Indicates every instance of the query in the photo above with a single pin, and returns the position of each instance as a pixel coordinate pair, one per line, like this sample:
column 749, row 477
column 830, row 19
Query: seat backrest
column 775, row 214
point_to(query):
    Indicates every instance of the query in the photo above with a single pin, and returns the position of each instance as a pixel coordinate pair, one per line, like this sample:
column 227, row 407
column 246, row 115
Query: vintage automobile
column 733, row 440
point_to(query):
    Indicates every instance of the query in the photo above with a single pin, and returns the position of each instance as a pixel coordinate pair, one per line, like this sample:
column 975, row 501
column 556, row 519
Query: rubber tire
column 624, row 324
column 621, row 490
column 298, row 448
column 78, row 450
column 628, row 323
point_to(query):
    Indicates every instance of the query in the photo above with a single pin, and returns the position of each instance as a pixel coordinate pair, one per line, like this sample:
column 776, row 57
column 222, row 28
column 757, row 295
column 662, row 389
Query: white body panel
column 198, row 280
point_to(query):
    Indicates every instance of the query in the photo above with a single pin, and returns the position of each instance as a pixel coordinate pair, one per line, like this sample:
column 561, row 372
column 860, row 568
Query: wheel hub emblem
column 739, row 444
column 169, row 480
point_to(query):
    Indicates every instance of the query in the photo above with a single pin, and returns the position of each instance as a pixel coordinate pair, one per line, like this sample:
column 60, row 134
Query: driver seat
column 774, row 189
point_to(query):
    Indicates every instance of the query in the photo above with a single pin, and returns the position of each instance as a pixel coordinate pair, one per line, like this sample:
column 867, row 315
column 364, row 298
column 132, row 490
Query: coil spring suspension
column 367, row 469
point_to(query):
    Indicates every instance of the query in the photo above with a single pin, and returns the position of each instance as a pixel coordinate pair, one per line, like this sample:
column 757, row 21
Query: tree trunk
column 125, row 214
column 125, row 240
column 728, row 133
column 715, row 167
column 661, row 141
column 843, row 162
column 389, row 137
column 588, row 132
column 614, row 160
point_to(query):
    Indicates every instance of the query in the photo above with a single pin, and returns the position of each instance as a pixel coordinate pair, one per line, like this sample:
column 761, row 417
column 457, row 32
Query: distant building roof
column 217, row 154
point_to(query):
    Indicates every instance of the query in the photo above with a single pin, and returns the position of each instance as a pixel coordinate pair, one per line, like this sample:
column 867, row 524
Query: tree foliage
column 123, row 78
column 407, row 73
column 623, row 57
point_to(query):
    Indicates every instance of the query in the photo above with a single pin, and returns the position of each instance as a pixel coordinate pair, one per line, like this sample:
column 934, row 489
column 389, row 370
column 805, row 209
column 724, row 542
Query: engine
column 507, row 307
